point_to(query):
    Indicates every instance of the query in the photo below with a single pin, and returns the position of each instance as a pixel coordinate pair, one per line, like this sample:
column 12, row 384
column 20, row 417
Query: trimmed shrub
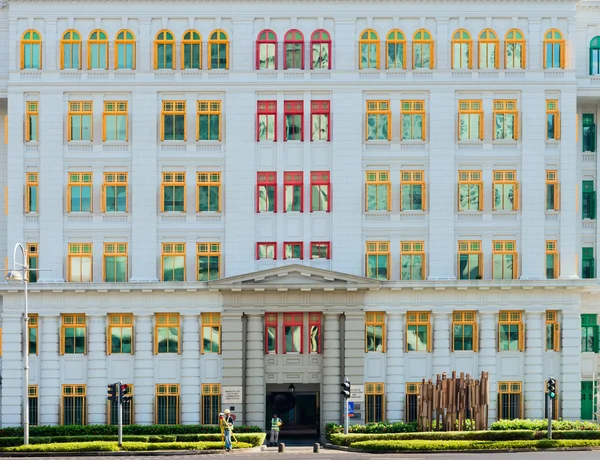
column 255, row 439
column 141, row 446
column 383, row 427
column 421, row 445
column 66, row 447
column 540, row 425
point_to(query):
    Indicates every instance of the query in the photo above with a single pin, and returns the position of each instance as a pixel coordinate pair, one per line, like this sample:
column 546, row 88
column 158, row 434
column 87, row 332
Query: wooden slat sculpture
column 450, row 402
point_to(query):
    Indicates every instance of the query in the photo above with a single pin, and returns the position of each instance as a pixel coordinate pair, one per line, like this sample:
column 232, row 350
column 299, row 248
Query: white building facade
column 229, row 198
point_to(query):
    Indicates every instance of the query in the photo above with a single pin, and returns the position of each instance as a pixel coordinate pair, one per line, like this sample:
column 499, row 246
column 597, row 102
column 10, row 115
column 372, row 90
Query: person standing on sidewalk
column 275, row 424
column 226, row 422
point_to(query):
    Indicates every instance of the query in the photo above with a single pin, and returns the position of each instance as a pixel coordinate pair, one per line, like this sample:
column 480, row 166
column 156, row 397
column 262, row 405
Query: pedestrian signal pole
column 550, row 396
column 346, row 388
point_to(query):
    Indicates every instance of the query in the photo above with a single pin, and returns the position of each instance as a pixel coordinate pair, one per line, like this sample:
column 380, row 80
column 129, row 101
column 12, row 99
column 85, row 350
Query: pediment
column 294, row 277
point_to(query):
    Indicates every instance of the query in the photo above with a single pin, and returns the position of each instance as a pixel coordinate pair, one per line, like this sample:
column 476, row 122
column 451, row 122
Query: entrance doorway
column 299, row 411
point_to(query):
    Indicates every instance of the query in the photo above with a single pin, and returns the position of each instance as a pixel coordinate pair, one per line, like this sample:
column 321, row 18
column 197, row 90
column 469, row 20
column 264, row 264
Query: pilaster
column 255, row 372
column 354, row 347
column 487, row 357
column 190, row 371
column 12, row 368
column 534, row 378
column 332, row 372
column 441, row 342
column 569, row 382
column 394, row 384
column 232, row 358
column 144, row 370
column 96, row 369
column 49, row 390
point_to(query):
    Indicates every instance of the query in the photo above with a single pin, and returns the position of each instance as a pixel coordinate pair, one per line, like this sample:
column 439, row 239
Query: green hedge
column 382, row 427
column 141, row 446
column 539, row 425
column 113, row 447
column 422, row 445
column 255, row 439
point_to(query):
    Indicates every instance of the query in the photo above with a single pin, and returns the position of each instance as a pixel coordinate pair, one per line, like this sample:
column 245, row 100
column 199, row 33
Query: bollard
column 281, row 447
column 316, row 448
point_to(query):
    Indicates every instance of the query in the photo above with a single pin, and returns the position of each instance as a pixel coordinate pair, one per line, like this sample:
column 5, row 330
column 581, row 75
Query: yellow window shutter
column 557, row 337
column 103, row 200
column 557, row 126
column 458, row 197
column 557, row 196
column 481, row 197
column 389, row 195
column 475, row 337
column 423, row 125
column 423, row 196
column 429, row 344
column 521, row 337
column 516, row 267
column 516, row 206
column 516, row 122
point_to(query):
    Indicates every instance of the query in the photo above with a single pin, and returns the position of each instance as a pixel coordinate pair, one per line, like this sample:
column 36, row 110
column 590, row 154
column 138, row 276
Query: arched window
column 423, row 50
column 191, row 50
column 369, row 50
column 125, row 50
column 218, row 50
column 320, row 45
column 461, row 50
column 98, row 50
column 554, row 52
column 515, row 50
column 164, row 50
column 488, row 50
column 294, row 50
column 595, row 56
column 31, row 50
column 395, row 46
column 70, row 45
column 266, row 50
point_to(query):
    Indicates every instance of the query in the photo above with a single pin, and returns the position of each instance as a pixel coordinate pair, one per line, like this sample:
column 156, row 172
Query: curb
column 151, row 453
column 466, row 451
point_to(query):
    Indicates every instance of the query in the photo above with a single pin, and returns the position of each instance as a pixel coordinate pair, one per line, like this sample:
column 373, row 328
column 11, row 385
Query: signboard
column 350, row 409
column 231, row 395
column 357, row 393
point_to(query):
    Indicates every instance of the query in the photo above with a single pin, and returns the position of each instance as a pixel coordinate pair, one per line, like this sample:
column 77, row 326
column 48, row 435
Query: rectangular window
column 320, row 250
column 115, row 263
column 552, row 265
column 511, row 331
column 375, row 331
column 465, row 331
column 504, row 260
column 80, row 121
column 293, row 327
column 114, row 192
column 470, row 120
column 173, row 192
column 418, row 331
column 33, row 405
column 378, row 260
column 166, row 333
column 211, row 403
column 80, row 263
column 320, row 194
column 266, row 192
column 31, row 123
column 379, row 121
column 506, row 191
column 209, row 191
column 412, row 191
column 374, row 402
column 172, row 127
column 173, row 262
column 293, row 113
column 555, row 404
column 293, row 251
column 320, row 120
column 211, row 333
column 266, row 125
column 293, row 186
column 552, row 331
column 266, row 251
column 552, row 191
column 31, row 192
column 73, row 406
column 470, row 191
column 588, row 400
column 80, row 192
column 271, row 329
column 209, row 261
column 314, row 333
column 412, row 255
column 120, row 333
column 32, row 262
column 589, row 333
column 506, row 120
column 470, row 260
column 510, row 404
column 588, row 264
column 588, row 200
column 209, row 121
column 73, row 335
column 32, row 329
column 552, row 120
column 378, row 191
column 411, row 406
column 413, row 120
column 115, row 121
column 166, row 407
column 128, row 412
column 588, row 133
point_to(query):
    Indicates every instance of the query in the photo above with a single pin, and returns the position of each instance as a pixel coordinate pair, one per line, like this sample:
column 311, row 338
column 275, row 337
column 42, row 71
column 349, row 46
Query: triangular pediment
column 294, row 277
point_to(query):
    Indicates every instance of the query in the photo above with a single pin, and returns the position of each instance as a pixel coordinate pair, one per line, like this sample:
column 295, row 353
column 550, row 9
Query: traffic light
column 112, row 393
column 346, row 388
column 551, row 388
column 123, row 393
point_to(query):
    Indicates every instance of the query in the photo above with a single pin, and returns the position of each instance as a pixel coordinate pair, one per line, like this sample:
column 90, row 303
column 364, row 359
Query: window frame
column 95, row 39
column 369, row 37
column 191, row 38
column 588, row 125
column 80, row 179
column 320, row 108
column 266, row 109
column 167, row 321
column 31, row 42
column 116, row 250
column 413, row 108
column 167, row 390
column 423, row 37
column 550, row 41
column 552, row 330
column 70, row 40
column 174, row 109
column 73, row 391
column 291, row 39
column 591, row 260
column 124, row 42
column 211, row 250
column 34, row 405
column 373, row 393
column 174, row 180
column 79, row 321
column 80, row 251
column 465, row 318
column 293, row 319
column 31, row 194
column 471, row 107
column 211, row 320
column 119, row 321
column 80, row 109
column 590, row 320
column 210, row 109
column 320, row 179
column 216, row 39
column 266, row 244
column 375, row 319
column 459, row 38
column 504, row 108
column 594, row 64
column 33, row 261
column 378, row 248
column 208, row 179
column 266, row 179
column 471, row 247
column 115, row 109
column 503, row 248
column 293, row 108
column 418, row 319
column 210, row 391
column 318, row 38
column 172, row 249
column 552, row 250
column 413, row 249
column 511, row 318
column 315, row 319
column 505, row 177
column 33, row 321
column 378, row 108
column 397, row 39
column 412, row 178
column 271, row 321
column 487, row 38
column 510, row 388
column 116, row 180
column 553, row 109
column 588, row 199
column 31, row 111
column 128, row 408
column 264, row 39
column 413, row 391
column 378, row 178
column 293, row 245
column 552, row 182
column 471, row 178
column 291, row 180
column 511, row 39
column 325, row 244
column 165, row 38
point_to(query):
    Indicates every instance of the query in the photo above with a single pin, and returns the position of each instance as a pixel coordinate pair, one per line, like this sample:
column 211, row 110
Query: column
column 255, row 372
column 441, row 343
column 49, row 391
column 12, row 366
column 354, row 349
column 96, row 373
column 232, row 360
column 144, row 371
column 487, row 357
column 190, row 371
column 533, row 388
column 535, row 39
column 569, row 382
column 394, row 380
column 332, row 372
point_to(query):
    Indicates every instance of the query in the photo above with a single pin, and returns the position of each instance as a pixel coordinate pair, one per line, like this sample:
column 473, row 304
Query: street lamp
column 291, row 388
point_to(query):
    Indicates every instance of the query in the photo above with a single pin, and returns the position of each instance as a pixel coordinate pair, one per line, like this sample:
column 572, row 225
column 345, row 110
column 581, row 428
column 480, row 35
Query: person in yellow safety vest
column 275, row 424
column 226, row 424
